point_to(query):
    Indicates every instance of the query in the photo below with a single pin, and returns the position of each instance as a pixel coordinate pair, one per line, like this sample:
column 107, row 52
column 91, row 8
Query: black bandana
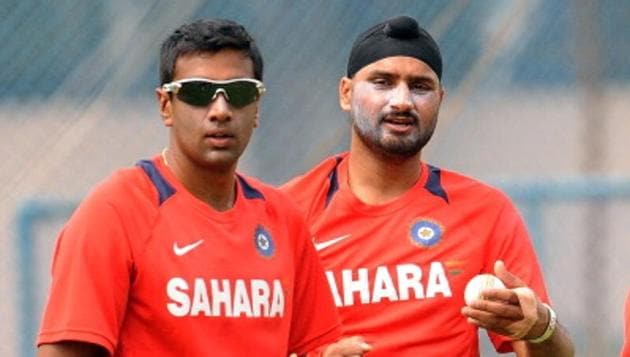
column 398, row 36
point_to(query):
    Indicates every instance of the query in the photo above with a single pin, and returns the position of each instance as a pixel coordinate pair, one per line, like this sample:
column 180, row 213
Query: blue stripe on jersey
column 434, row 183
column 165, row 190
column 248, row 190
column 333, row 182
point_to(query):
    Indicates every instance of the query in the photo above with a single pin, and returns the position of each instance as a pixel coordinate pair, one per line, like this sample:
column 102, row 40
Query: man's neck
column 215, row 187
column 375, row 179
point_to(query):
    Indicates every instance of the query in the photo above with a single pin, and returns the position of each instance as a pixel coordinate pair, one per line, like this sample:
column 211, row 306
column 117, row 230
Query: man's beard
column 392, row 146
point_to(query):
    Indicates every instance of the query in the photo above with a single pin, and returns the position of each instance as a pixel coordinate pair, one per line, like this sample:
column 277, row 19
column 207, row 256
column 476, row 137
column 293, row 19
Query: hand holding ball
column 480, row 282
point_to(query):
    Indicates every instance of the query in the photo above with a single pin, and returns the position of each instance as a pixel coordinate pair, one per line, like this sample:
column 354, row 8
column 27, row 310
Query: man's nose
column 219, row 108
column 401, row 98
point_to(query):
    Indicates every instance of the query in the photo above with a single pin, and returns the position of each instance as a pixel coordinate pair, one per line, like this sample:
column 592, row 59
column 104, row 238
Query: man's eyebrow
column 420, row 78
column 409, row 78
column 379, row 73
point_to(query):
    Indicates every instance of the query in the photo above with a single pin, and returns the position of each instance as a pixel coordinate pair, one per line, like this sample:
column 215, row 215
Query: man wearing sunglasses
column 400, row 238
column 181, row 255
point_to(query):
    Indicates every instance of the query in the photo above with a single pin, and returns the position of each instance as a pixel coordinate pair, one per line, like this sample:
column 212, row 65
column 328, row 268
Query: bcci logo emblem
column 426, row 233
column 263, row 242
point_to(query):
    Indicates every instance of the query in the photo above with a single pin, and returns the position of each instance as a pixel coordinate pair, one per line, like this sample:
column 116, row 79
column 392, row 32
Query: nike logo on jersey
column 325, row 244
column 179, row 251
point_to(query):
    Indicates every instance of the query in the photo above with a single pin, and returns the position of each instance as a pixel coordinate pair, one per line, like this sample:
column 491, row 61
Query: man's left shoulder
column 458, row 185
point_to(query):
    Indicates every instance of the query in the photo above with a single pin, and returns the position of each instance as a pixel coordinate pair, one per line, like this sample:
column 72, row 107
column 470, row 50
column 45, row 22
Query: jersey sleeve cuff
column 77, row 336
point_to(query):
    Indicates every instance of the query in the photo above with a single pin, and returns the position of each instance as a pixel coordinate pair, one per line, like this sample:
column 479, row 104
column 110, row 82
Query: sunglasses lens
column 241, row 93
column 196, row 93
column 200, row 93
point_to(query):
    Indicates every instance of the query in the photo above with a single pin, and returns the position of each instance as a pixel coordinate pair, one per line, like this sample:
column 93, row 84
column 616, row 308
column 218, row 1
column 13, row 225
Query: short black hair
column 207, row 36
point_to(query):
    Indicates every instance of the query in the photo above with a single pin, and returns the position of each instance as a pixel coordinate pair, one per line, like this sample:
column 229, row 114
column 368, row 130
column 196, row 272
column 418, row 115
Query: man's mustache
column 393, row 116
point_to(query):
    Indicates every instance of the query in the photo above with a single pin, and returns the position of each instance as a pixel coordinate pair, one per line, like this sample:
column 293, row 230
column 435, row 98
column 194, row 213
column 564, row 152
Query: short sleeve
column 91, row 272
column 511, row 243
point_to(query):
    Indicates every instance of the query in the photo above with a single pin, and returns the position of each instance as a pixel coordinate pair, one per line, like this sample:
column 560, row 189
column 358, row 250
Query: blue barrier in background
column 534, row 194
column 29, row 214
column 530, row 196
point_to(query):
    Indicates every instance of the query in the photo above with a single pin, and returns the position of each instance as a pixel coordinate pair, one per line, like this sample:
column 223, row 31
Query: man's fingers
column 507, row 296
column 510, row 280
column 499, row 309
column 528, row 302
column 348, row 347
column 354, row 344
column 489, row 321
column 529, row 305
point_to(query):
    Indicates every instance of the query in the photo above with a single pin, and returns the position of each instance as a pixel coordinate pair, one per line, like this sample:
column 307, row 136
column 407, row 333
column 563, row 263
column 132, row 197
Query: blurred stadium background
column 538, row 103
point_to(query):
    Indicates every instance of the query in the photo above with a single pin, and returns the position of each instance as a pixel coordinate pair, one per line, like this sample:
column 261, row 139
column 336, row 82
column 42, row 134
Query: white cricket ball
column 478, row 284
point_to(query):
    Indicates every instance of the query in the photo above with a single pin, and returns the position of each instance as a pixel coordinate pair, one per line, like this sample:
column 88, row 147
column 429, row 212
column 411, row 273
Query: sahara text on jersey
column 376, row 285
column 226, row 298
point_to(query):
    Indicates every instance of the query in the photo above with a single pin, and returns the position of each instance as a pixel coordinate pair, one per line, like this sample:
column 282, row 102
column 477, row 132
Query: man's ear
column 165, row 106
column 345, row 93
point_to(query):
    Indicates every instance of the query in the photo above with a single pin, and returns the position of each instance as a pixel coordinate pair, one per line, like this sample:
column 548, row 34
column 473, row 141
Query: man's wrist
column 549, row 330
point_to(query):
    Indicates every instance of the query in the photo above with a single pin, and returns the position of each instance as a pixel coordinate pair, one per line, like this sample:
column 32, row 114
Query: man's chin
column 401, row 150
column 221, row 160
column 397, row 153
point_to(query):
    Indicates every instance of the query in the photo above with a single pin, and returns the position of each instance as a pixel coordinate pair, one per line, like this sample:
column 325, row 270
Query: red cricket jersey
column 143, row 268
column 397, row 271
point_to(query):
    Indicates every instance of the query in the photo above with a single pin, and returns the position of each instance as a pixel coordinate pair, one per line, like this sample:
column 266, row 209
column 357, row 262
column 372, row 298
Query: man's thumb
column 510, row 280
